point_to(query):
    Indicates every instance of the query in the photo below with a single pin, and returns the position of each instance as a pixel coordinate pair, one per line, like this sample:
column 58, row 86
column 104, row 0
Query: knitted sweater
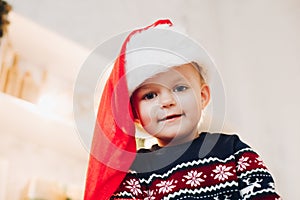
column 213, row 166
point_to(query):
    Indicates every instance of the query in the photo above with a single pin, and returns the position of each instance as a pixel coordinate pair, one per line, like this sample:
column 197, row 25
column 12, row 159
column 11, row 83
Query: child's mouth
column 170, row 117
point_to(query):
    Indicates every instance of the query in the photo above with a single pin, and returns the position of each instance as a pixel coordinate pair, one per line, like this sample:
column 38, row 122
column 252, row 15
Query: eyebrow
column 180, row 78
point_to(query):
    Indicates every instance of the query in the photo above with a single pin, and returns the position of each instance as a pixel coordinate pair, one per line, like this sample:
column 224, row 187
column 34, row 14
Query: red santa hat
column 144, row 53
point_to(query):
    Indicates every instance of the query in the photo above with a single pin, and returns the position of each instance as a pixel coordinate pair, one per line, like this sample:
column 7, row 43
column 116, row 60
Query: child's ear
column 205, row 95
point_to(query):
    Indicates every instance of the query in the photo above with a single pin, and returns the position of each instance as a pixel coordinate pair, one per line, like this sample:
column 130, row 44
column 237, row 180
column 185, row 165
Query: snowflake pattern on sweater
column 230, row 170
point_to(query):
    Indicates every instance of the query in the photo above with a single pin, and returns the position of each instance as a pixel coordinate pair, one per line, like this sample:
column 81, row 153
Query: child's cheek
column 149, row 112
column 144, row 114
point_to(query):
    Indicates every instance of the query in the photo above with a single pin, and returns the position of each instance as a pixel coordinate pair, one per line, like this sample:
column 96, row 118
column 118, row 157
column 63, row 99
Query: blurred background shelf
column 39, row 141
column 27, row 121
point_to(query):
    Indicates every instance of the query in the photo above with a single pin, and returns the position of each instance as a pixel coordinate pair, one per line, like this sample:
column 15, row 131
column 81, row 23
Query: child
column 167, row 81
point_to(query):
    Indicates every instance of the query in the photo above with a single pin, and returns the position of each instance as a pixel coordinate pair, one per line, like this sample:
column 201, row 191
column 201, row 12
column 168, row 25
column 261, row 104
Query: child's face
column 169, row 105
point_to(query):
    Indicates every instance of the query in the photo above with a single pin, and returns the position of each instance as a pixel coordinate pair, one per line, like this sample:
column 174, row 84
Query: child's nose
column 167, row 99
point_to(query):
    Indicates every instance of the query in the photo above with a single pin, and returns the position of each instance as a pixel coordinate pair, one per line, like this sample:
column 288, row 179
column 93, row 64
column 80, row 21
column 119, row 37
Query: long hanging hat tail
column 113, row 147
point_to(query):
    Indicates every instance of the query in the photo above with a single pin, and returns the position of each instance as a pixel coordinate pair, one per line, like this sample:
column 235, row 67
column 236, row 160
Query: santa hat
column 144, row 53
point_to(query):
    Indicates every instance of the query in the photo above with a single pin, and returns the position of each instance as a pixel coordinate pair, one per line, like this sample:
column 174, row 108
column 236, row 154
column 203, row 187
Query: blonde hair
column 201, row 71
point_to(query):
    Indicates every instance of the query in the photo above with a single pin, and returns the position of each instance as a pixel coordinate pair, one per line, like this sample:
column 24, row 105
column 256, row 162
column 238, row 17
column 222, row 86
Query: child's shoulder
column 219, row 144
column 224, row 139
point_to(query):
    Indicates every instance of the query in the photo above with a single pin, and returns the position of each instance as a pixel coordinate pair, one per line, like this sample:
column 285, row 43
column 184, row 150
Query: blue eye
column 180, row 88
column 149, row 96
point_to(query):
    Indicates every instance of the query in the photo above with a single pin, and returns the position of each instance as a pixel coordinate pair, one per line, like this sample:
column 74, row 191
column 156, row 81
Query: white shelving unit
column 34, row 144
column 26, row 121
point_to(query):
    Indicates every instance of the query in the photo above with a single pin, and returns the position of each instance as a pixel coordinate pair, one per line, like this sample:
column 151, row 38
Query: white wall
column 256, row 47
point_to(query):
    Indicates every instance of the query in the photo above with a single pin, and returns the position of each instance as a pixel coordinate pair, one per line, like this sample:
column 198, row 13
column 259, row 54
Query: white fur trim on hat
column 155, row 50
